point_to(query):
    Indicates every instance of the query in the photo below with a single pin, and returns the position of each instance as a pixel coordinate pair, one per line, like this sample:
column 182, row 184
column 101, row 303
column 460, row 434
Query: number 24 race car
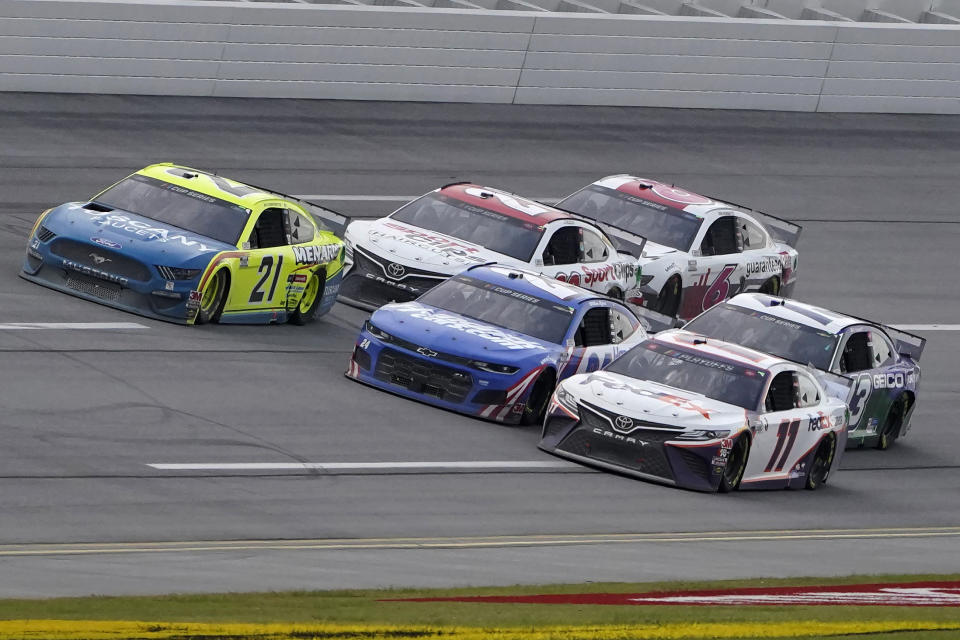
column 491, row 342
column 182, row 245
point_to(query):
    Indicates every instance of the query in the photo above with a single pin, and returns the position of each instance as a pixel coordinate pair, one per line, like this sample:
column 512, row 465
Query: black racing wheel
column 891, row 426
column 736, row 465
column 536, row 407
column 822, row 459
column 668, row 303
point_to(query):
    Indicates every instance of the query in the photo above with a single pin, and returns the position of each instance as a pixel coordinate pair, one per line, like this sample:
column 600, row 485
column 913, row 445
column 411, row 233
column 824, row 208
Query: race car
column 400, row 257
column 881, row 360
column 491, row 342
column 703, row 414
column 187, row 246
column 699, row 250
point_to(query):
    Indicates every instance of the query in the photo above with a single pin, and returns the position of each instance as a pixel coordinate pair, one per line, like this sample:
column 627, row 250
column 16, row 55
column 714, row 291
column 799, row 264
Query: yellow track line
column 470, row 542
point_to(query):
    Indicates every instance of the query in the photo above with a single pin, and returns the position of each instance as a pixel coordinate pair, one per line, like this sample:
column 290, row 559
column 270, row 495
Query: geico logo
column 888, row 380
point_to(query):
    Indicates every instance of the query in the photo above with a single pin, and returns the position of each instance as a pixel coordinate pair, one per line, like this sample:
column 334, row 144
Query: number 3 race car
column 398, row 258
column 491, row 342
column 182, row 245
column 881, row 360
column 699, row 251
column 703, row 414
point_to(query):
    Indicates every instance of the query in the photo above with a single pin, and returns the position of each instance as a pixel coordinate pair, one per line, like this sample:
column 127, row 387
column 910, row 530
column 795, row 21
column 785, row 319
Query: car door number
column 266, row 268
column 786, row 433
column 859, row 400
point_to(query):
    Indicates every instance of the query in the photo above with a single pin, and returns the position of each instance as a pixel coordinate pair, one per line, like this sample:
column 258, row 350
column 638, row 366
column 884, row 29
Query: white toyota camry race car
column 699, row 251
column 400, row 257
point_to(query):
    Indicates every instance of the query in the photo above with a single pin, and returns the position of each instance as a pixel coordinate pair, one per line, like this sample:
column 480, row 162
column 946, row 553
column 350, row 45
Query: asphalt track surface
column 83, row 413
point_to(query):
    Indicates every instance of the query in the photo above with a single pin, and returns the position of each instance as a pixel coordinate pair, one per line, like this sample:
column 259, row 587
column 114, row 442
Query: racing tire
column 616, row 294
column 213, row 297
column 668, row 302
column 306, row 309
column 891, row 426
column 535, row 410
column 770, row 287
column 736, row 465
column 822, row 460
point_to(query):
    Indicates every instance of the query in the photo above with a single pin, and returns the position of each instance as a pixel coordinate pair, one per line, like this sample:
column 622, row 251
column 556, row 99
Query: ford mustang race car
column 426, row 241
column 492, row 342
column 882, row 361
column 703, row 414
column 699, row 251
column 183, row 245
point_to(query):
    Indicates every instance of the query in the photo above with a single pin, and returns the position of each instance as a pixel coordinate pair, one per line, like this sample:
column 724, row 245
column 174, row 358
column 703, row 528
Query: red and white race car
column 699, row 251
column 400, row 257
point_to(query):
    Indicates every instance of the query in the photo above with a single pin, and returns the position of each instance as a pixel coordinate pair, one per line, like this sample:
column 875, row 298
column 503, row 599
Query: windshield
column 502, row 307
column 177, row 206
column 656, row 222
column 718, row 379
column 764, row 332
column 474, row 224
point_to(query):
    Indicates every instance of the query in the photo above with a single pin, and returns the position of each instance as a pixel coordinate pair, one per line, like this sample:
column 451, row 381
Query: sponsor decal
column 423, row 240
column 97, row 273
column 910, row 594
column 892, row 380
column 763, row 266
column 169, row 285
column 142, row 229
column 473, row 328
column 298, row 278
column 103, row 242
column 680, row 403
column 316, row 254
column 589, row 276
column 193, row 300
column 719, row 461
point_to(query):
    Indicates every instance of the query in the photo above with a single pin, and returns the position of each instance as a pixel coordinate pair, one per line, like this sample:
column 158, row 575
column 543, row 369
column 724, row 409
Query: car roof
column 210, row 184
column 533, row 284
column 719, row 350
column 670, row 195
column 504, row 202
column 798, row 312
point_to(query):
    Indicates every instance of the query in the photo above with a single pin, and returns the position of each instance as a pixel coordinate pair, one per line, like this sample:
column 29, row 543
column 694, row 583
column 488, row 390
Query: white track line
column 367, row 198
column 378, row 467
column 17, row 326
column 927, row 327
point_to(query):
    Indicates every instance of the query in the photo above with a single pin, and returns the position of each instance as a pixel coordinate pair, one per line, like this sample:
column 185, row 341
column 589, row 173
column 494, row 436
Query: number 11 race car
column 182, row 245
column 491, row 342
column 881, row 360
column 698, row 251
column 703, row 414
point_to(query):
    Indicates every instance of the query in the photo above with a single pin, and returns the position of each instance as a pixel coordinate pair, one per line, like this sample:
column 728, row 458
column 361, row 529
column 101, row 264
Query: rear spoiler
column 622, row 240
column 328, row 219
column 906, row 344
column 781, row 230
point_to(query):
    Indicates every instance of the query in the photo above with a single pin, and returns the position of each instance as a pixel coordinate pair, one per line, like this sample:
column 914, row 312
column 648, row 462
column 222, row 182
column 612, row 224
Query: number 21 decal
column 266, row 267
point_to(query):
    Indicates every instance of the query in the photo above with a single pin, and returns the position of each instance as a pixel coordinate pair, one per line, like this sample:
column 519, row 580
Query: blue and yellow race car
column 492, row 342
column 183, row 245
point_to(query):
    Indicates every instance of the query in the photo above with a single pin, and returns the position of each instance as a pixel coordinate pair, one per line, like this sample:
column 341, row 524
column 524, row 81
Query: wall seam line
column 826, row 72
column 523, row 63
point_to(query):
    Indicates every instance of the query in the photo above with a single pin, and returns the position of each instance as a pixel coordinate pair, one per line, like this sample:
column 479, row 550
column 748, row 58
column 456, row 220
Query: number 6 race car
column 400, row 257
column 491, row 342
column 881, row 360
column 182, row 245
column 699, row 251
column 703, row 414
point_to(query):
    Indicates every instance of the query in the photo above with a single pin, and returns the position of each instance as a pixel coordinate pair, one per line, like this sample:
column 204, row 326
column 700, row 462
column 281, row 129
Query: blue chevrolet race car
column 882, row 361
column 492, row 342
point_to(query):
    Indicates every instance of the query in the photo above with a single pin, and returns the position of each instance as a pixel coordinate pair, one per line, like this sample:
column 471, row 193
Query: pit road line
column 467, row 542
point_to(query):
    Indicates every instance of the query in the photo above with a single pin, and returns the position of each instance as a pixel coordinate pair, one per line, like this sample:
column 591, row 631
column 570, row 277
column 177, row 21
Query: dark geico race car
column 881, row 360
column 703, row 414
column 492, row 342
column 183, row 245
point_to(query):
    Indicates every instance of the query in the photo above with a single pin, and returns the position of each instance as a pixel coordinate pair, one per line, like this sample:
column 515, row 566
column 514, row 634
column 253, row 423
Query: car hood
column 651, row 401
column 447, row 332
column 131, row 234
column 418, row 248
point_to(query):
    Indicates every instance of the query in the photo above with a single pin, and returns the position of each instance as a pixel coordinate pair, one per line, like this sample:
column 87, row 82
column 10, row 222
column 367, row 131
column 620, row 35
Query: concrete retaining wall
column 395, row 53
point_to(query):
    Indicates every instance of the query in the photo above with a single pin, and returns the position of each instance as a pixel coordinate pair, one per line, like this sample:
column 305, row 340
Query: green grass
column 367, row 607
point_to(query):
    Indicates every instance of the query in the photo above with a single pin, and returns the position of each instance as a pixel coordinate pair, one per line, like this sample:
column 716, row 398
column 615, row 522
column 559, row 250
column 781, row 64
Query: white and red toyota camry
column 699, row 251
column 400, row 257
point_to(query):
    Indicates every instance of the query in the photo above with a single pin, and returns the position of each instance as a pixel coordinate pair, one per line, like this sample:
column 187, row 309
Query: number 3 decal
column 266, row 266
column 859, row 400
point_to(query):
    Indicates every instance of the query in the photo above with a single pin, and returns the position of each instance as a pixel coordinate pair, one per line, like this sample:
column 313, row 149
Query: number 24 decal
column 266, row 267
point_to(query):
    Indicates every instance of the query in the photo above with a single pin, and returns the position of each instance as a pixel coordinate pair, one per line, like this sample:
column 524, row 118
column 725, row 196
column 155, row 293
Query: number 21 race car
column 491, row 342
column 881, row 360
column 702, row 414
column 698, row 251
column 183, row 245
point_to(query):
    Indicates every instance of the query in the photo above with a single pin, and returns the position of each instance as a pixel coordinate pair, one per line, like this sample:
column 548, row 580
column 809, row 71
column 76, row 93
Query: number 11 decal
column 786, row 428
column 266, row 266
